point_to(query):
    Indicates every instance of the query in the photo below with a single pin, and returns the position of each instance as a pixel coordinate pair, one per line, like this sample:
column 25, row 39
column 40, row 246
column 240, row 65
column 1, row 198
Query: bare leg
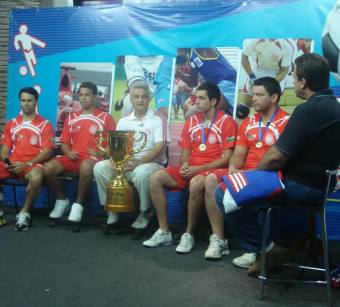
column 214, row 213
column 158, row 181
column 85, row 178
column 51, row 171
column 35, row 178
column 195, row 204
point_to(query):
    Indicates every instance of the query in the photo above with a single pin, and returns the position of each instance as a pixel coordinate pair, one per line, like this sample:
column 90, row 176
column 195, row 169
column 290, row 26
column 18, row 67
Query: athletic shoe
column 142, row 220
column 60, row 208
column 186, row 244
column 23, row 221
column 159, row 238
column 217, row 248
column 112, row 218
column 245, row 261
column 76, row 213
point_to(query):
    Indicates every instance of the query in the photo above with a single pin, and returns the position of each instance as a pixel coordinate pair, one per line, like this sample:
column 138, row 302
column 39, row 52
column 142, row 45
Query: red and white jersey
column 248, row 136
column 222, row 136
column 27, row 139
column 154, row 125
column 80, row 130
column 268, row 56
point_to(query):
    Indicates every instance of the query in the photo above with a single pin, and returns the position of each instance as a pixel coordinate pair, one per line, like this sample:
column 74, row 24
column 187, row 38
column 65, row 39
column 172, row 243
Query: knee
column 86, row 168
column 35, row 176
column 155, row 178
column 210, row 184
column 196, row 185
column 48, row 169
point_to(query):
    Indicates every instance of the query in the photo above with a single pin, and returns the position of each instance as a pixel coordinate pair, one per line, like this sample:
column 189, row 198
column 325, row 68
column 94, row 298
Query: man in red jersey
column 26, row 142
column 80, row 152
column 256, row 135
column 207, row 142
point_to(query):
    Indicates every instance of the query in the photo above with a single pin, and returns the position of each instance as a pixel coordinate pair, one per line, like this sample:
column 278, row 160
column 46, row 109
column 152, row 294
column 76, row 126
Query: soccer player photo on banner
column 156, row 71
column 72, row 75
column 274, row 58
column 195, row 65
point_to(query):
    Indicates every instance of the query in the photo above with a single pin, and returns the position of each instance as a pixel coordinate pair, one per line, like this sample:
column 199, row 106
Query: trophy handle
column 143, row 136
column 100, row 138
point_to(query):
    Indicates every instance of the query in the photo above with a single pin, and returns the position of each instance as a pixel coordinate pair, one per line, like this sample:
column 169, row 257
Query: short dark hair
column 89, row 85
column 212, row 90
column 29, row 90
column 271, row 85
column 314, row 69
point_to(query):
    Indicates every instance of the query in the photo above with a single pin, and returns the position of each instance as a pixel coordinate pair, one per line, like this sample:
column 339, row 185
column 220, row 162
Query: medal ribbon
column 267, row 125
column 204, row 137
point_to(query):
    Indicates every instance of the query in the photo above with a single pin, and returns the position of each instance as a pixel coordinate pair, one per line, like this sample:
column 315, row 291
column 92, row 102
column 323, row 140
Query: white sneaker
column 76, row 213
column 60, row 207
column 245, row 261
column 23, row 221
column 159, row 238
column 112, row 218
column 186, row 244
column 217, row 248
column 142, row 220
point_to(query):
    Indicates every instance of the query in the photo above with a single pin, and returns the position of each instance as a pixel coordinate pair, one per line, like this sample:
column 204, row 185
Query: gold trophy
column 119, row 146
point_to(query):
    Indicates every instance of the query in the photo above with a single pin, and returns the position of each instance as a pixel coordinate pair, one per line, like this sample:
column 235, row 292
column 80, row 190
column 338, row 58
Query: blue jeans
column 246, row 223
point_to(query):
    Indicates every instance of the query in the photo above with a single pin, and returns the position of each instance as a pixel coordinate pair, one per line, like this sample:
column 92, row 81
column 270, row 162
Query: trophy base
column 119, row 199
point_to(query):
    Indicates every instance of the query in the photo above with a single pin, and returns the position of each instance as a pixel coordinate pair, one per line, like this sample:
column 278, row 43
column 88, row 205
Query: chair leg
column 326, row 256
column 263, row 276
column 15, row 198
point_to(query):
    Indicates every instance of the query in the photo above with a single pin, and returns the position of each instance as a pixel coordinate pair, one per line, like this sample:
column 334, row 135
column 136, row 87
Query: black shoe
column 138, row 234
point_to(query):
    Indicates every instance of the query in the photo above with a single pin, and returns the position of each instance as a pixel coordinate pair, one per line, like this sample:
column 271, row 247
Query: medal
column 202, row 147
column 258, row 145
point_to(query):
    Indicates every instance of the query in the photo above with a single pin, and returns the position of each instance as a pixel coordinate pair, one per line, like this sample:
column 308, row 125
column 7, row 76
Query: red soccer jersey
column 27, row 139
column 80, row 130
column 222, row 136
column 248, row 136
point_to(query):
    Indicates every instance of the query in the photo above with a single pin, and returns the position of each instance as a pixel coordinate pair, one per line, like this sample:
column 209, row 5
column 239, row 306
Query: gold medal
column 202, row 147
column 258, row 145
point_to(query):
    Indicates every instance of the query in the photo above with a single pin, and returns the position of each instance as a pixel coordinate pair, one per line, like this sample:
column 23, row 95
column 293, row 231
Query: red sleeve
column 185, row 141
column 110, row 124
column 6, row 138
column 47, row 140
column 229, row 133
column 241, row 137
column 65, row 136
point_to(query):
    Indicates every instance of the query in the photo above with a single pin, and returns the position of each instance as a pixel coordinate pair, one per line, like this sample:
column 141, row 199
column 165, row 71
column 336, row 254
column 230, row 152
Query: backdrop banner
column 46, row 43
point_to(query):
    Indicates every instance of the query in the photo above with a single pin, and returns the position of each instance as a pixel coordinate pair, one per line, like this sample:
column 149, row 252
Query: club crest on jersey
column 269, row 139
column 33, row 140
column 93, row 129
column 76, row 129
column 250, row 136
column 212, row 139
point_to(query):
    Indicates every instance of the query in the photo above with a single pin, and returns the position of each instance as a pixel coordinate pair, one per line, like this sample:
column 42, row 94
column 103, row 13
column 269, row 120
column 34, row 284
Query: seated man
column 308, row 146
column 207, row 141
column 151, row 158
column 80, row 153
column 26, row 141
column 256, row 135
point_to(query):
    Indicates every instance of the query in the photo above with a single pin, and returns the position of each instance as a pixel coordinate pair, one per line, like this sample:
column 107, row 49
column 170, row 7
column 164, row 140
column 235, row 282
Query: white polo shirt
column 154, row 125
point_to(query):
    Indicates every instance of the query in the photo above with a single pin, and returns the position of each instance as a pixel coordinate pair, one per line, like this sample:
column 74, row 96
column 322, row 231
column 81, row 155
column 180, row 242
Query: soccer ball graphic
column 331, row 40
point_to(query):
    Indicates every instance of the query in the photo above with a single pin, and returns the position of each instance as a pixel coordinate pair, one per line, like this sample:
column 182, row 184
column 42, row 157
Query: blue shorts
column 228, row 90
column 162, row 97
